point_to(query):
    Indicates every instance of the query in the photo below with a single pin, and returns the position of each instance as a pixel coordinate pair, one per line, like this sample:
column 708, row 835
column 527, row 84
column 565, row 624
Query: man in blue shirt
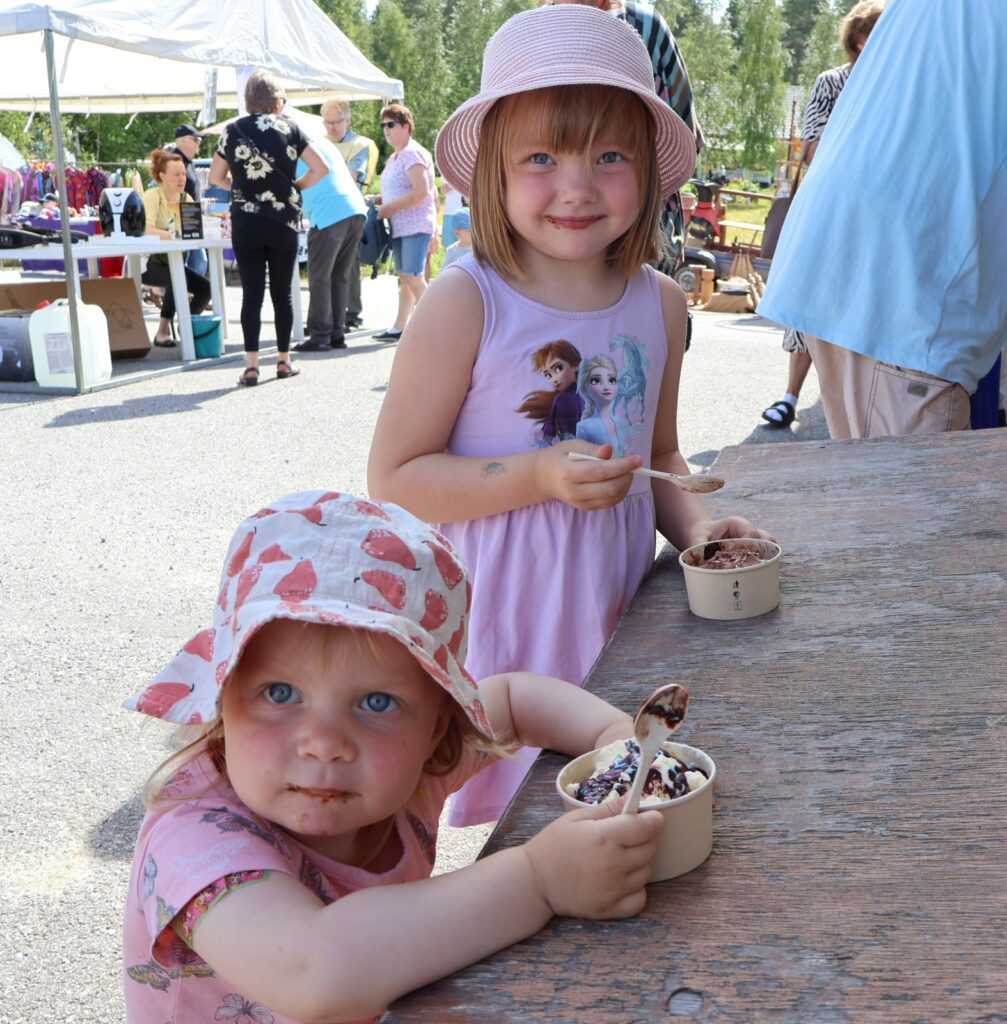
column 891, row 258
column 361, row 156
column 335, row 210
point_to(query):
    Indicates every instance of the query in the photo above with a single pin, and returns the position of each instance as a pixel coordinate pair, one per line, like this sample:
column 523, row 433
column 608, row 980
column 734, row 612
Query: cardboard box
column 117, row 297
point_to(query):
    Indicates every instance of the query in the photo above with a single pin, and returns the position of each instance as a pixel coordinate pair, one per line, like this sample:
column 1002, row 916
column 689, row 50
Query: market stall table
column 133, row 249
column 860, row 735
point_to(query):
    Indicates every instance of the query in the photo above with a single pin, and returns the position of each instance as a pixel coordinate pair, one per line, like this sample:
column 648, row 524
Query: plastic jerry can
column 52, row 345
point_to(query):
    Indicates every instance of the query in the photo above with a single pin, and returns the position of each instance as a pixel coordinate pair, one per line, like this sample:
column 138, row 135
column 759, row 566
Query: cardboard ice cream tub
column 687, row 838
column 732, row 593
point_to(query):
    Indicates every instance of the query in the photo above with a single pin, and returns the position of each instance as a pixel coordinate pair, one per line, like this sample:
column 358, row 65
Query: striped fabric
column 828, row 85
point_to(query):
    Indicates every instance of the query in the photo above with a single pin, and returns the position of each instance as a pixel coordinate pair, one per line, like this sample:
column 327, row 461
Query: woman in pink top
column 566, row 165
column 409, row 200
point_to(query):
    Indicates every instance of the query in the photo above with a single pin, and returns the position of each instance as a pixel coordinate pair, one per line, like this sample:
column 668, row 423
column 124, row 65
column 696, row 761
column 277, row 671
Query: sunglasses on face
column 389, row 124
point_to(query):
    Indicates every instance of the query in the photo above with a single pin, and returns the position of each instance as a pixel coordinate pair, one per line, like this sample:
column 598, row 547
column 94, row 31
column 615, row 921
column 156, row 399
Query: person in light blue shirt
column 335, row 210
column 892, row 256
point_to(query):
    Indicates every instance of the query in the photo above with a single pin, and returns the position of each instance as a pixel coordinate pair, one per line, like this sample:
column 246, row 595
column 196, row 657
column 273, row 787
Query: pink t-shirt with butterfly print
column 202, row 833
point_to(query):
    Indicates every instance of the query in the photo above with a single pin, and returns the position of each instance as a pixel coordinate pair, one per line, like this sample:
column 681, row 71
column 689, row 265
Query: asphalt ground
column 116, row 509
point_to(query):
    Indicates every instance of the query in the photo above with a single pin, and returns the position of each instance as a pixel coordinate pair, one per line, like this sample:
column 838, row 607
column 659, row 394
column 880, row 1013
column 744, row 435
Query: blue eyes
column 281, row 693
column 611, row 158
column 539, row 158
column 379, row 703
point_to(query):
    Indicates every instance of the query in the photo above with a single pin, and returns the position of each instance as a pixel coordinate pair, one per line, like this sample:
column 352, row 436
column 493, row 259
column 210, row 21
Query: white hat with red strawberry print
column 336, row 559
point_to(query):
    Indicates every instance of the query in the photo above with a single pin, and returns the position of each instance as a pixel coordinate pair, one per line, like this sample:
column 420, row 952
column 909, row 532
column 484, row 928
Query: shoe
column 779, row 414
column 250, row 377
column 337, row 343
column 167, row 343
column 310, row 346
column 285, row 370
column 388, row 335
column 353, row 323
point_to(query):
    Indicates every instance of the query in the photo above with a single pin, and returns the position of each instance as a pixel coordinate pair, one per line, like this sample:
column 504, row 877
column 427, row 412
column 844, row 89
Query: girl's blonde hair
column 209, row 738
column 565, row 119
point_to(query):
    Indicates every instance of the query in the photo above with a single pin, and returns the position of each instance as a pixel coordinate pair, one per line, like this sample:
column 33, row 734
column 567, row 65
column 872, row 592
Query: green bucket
column 208, row 337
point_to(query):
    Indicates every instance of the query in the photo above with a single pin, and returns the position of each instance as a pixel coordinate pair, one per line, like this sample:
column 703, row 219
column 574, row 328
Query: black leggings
column 258, row 243
column 159, row 275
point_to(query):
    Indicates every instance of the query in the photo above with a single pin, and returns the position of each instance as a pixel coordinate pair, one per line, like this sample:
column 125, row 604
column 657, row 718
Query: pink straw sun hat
column 565, row 44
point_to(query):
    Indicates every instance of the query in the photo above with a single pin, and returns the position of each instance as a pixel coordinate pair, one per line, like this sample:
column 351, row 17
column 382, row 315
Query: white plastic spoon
column 697, row 483
column 659, row 716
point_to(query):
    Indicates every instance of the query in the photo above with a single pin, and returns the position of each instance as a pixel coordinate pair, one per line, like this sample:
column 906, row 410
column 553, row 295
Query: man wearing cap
column 186, row 145
column 361, row 156
column 335, row 210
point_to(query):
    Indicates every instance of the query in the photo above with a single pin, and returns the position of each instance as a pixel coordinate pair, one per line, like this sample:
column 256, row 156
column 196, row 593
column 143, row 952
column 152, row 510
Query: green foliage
column 799, row 17
column 823, row 50
column 710, row 56
column 760, row 81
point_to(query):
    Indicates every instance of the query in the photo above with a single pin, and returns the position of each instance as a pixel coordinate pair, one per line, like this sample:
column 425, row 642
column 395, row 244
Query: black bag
column 375, row 241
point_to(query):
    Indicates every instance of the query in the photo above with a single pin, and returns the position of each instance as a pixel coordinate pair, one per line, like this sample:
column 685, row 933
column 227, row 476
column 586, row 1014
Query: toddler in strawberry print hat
column 330, row 717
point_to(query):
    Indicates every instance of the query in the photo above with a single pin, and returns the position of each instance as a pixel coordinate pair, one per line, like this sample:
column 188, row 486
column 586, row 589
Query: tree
column 350, row 17
column 799, row 17
column 823, row 50
column 760, row 81
column 708, row 49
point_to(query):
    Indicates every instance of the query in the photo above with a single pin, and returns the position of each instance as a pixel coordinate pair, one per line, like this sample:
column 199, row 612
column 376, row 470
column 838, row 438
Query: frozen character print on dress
column 632, row 381
column 559, row 409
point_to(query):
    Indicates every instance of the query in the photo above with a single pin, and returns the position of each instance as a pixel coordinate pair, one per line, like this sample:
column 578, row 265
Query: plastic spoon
column 659, row 716
column 697, row 483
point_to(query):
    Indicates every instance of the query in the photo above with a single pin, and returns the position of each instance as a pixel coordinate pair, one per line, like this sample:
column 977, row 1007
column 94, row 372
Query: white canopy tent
column 133, row 55
column 10, row 155
column 114, row 56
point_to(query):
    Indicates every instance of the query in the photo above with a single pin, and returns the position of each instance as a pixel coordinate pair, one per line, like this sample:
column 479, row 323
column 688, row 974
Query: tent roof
column 131, row 55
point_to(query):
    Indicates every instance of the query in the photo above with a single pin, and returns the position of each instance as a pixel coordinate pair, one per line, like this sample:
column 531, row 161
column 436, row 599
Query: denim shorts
column 410, row 252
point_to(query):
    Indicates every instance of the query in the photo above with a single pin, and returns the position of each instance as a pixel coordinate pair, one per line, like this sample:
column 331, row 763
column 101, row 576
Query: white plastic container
column 687, row 838
column 52, row 345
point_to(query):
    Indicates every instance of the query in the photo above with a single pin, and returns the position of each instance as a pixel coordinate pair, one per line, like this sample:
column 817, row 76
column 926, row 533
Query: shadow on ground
column 114, row 837
column 810, row 425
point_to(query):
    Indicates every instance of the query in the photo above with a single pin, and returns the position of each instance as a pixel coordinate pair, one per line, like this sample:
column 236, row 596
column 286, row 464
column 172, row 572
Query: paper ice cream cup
column 687, row 837
column 732, row 593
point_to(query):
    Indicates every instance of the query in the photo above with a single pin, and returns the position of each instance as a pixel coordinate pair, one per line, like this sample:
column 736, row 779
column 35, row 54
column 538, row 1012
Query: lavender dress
column 550, row 582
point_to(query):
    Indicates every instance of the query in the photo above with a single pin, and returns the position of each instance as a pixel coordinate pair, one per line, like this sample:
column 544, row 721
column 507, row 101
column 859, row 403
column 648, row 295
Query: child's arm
column 429, row 381
column 539, row 711
column 278, row 944
column 682, row 517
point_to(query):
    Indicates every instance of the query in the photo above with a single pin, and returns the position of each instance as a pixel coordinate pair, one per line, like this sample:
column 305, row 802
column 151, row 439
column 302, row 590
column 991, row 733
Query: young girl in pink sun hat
column 282, row 872
column 565, row 155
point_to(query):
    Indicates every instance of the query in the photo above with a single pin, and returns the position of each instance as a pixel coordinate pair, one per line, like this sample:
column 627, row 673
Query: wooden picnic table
column 860, row 733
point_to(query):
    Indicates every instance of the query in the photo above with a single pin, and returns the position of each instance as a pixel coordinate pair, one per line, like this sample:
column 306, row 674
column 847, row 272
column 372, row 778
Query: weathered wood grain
column 860, row 732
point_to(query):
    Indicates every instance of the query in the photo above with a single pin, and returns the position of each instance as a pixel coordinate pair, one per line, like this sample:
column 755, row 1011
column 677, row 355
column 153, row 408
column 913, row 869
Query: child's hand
column 585, row 484
column 595, row 862
column 722, row 529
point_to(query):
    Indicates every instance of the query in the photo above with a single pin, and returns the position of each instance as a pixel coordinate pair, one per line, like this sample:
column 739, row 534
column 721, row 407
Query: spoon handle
column 648, row 751
column 700, row 483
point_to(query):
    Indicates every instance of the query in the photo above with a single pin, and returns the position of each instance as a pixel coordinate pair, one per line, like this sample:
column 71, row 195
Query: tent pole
column 69, row 257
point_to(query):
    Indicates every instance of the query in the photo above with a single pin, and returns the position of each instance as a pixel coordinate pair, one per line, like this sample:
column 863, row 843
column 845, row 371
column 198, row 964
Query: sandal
column 780, row 414
column 250, row 377
column 285, row 370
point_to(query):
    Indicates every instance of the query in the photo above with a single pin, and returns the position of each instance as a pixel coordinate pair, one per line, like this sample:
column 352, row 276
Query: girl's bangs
column 568, row 118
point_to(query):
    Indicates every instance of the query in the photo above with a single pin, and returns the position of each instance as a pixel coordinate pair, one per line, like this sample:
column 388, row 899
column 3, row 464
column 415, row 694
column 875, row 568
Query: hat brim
column 458, row 140
column 186, row 691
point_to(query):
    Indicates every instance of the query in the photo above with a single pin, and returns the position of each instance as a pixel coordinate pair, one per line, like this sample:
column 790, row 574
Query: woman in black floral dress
column 256, row 159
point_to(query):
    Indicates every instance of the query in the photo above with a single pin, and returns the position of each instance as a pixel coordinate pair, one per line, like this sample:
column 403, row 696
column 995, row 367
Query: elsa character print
column 598, row 385
column 558, row 410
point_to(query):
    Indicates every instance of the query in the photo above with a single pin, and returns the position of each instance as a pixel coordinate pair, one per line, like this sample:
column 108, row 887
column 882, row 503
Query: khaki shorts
column 866, row 398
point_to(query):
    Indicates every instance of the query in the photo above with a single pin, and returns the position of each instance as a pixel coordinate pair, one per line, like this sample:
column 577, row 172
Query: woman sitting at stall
column 164, row 220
